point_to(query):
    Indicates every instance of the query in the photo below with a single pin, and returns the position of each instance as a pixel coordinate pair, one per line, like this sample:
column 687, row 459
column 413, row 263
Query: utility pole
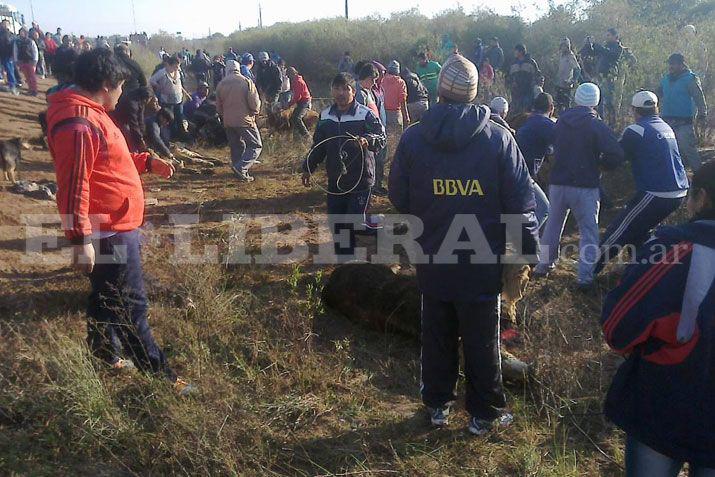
column 347, row 11
column 32, row 12
column 260, row 16
column 134, row 17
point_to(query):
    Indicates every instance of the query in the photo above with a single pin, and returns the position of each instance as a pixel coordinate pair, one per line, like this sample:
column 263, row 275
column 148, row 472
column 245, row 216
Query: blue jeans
column 9, row 66
column 642, row 461
column 245, row 144
column 585, row 204
column 118, row 308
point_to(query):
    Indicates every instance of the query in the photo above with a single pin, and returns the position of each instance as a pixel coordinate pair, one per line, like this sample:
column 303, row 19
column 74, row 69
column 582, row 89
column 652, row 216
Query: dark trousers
column 118, row 308
column 354, row 204
column 563, row 98
column 477, row 323
column 633, row 226
column 296, row 119
column 177, row 127
column 380, row 163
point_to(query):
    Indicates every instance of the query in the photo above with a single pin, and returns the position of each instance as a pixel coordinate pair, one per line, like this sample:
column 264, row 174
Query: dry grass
column 286, row 387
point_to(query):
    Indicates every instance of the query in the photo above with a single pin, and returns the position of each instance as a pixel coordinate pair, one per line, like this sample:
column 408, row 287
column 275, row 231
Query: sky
column 195, row 19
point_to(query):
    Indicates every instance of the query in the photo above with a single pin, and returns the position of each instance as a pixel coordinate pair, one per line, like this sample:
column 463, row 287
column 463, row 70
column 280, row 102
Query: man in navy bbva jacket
column 458, row 172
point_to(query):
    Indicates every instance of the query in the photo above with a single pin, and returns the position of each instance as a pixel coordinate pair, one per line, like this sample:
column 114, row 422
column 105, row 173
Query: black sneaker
column 479, row 427
column 379, row 191
column 439, row 416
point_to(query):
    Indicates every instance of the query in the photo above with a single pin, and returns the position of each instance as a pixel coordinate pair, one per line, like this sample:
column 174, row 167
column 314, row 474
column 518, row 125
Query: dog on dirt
column 10, row 157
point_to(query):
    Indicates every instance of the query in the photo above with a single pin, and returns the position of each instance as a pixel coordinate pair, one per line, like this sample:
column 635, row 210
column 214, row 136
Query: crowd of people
column 660, row 316
column 107, row 123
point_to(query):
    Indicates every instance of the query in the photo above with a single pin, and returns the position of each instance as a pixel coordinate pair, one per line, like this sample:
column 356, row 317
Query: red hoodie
column 301, row 93
column 99, row 188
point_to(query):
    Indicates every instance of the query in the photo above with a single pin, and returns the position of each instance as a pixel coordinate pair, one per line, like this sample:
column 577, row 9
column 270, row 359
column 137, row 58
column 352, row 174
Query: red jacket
column 300, row 90
column 99, row 188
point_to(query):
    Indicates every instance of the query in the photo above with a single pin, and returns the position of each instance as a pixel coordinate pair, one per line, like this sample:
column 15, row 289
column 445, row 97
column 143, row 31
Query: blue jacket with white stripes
column 650, row 146
column 350, row 168
column 662, row 317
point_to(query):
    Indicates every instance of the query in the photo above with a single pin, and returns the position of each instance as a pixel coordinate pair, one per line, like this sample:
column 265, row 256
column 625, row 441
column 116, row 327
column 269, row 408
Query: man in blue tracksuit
column 682, row 98
column 660, row 178
column 536, row 140
column 661, row 317
column 583, row 146
column 347, row 137
column 458, row 172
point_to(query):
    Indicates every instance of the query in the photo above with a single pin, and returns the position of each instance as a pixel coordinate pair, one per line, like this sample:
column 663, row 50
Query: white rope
column 342, row 155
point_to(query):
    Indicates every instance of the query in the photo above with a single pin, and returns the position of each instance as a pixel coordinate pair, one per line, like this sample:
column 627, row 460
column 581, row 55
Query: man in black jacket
column 417, row 95
column 129, row 113
column 268, row 79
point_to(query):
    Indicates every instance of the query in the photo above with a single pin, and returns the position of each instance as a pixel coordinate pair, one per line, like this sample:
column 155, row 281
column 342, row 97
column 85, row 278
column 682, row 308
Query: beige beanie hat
column 458, row 80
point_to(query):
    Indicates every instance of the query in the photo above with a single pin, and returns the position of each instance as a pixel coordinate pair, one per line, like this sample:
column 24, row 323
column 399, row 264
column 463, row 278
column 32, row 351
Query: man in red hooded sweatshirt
column 101, row 205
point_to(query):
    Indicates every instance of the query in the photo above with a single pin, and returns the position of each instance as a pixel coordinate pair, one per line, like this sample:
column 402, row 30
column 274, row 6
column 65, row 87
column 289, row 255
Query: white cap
column 232, row 65
column 588, row 95
column 644, row 99
column 499, row 105
column 263, row 56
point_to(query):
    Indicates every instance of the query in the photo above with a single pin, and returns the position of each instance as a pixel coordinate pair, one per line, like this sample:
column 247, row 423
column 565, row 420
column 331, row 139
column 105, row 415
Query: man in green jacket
column 428, row 71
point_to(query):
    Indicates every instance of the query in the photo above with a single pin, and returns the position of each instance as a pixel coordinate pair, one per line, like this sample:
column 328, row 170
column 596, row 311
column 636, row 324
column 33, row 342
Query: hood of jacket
column 452, row 126
column 578, row 117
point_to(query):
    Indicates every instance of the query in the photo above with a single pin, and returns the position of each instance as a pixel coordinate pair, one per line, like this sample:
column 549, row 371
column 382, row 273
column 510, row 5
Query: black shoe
column 379, row 191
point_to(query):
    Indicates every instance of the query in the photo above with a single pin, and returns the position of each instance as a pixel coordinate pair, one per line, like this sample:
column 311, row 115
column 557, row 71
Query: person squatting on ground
column 300, row 97
column 26, row 56
column 101, row 204
column 417, row 95
column 156, row 138
column 238, row 103
column 661, row 318
column 456, row 141
column 395, row 90
column 347, row 138
column 682, row 98
column 583, row 145
column 536, row 141
column 661, row 181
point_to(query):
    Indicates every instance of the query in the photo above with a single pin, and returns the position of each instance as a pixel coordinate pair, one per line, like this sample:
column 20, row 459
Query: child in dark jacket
column 662, row 318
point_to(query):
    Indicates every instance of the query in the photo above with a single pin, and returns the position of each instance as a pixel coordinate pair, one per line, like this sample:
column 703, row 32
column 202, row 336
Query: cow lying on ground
column 375, row 296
